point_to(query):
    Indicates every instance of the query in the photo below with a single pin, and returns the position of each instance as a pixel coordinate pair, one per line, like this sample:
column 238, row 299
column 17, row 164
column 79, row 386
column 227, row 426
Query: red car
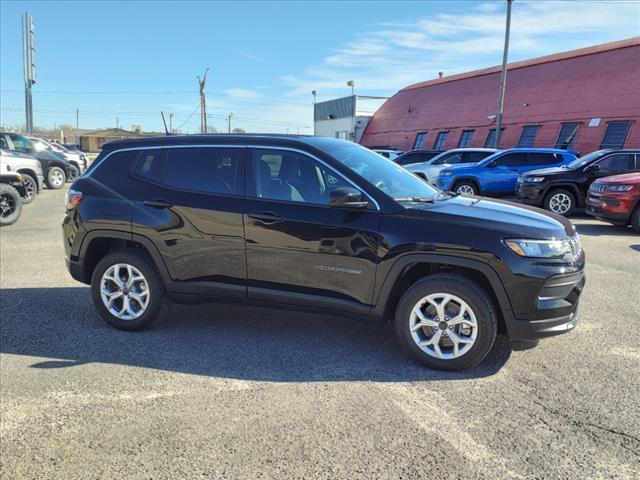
column 616, row 199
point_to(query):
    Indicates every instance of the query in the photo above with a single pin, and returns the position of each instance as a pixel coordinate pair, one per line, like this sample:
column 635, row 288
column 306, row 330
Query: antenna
column 165, row 123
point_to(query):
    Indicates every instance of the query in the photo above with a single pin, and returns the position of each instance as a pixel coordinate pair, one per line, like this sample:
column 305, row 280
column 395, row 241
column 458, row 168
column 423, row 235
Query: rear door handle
column 267, row 218
column 157, row 203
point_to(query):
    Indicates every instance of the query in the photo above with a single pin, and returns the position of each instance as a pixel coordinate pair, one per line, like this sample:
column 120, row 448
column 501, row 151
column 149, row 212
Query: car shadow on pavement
column 598, row 228
column 228, row 341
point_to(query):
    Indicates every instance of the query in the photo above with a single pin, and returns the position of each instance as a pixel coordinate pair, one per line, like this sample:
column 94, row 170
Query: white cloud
column 242, row 94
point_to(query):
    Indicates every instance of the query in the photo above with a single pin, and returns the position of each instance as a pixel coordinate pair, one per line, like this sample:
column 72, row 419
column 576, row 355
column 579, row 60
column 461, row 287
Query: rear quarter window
column 113, row 167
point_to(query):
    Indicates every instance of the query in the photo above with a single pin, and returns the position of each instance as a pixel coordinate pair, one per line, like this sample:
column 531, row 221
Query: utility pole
column 117, row 122
column 29, row 62
column 229, row 122
column 314, row 94
column 203, row 102
column 77, row 118
column 503, row 77
column 170, row 123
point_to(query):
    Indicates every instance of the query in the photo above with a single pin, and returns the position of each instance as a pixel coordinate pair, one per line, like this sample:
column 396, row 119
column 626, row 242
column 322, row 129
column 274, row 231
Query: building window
column 491, row 138
column 465, row 138
column 528, row 136
column 440, row 139
column 419, row 140
column 567, row 136
column 616, row 134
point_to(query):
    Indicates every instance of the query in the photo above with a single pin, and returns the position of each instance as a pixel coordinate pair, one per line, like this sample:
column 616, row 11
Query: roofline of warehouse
column 581, row 52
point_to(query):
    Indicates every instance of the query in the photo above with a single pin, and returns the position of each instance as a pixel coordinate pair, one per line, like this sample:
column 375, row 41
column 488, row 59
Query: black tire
column 31, row 186
column 10, row 205
column 144, row 264
column 74, row 174
column 469, row 187
column 560, row 201
column 56, row 178
column 635, row 219
column 466, row 290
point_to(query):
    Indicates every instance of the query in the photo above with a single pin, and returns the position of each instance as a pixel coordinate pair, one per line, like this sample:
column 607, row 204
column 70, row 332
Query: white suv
column 26, row 165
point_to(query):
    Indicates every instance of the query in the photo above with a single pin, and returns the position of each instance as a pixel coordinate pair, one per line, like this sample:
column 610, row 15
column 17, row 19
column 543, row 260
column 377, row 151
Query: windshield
column 582, row 161
column 386, row 175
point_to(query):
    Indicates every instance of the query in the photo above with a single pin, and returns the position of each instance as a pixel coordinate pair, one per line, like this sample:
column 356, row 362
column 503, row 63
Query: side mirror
column 347, row 197
column 593, row 168
column 491, row 164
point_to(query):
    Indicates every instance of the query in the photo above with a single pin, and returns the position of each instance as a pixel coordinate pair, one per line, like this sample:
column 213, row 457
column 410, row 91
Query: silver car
column 29, row 167
column 457, row 156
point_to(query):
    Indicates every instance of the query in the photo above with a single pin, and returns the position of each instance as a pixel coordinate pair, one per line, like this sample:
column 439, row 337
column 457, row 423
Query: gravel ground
column 218, row 391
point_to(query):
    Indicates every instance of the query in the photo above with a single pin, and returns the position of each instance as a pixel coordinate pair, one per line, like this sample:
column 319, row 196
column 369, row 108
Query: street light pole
column 503, row 77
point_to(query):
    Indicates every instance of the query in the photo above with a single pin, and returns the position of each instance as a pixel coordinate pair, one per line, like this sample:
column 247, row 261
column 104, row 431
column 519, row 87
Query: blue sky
column 129, row 60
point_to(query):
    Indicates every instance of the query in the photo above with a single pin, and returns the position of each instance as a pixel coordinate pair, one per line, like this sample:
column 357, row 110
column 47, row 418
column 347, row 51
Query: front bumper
column 444, row 183
column 522, row 330
column 614, row 209
column 530, row 194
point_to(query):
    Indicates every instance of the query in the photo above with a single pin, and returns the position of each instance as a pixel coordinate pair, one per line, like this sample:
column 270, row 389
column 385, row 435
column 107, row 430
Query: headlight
column 445, row 174
column 534, row 179
column 619, row 188
column 541, row 248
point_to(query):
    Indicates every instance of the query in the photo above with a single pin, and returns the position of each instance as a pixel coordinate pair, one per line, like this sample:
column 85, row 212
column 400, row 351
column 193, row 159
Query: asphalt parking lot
column 219, row 391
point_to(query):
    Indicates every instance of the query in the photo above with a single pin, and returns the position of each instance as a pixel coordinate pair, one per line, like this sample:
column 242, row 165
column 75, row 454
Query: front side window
column 21, row 143
column 465, row 138
column 451, row 158
column 567, row 136
column 512, row 159
column 202, row 169
column 386, row 175
column 417, row 144
column 619, row 162
column 293, row 177
column 616, row 134
column 528, row 136
column 440, row 141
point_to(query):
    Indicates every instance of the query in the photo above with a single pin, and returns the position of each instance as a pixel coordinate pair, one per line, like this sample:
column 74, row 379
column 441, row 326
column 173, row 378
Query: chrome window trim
column 207, row 145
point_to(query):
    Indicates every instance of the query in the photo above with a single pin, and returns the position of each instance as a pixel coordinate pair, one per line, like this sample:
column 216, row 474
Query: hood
column 546, row 171
column 516, row 220
column 633, row 178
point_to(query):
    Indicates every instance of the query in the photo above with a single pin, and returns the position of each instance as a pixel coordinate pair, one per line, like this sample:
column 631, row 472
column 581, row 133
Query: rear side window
column 452, row 158
column 474, row 157
column 206, row 169
column 544, row 158
column 112, row 167
column 409, row 159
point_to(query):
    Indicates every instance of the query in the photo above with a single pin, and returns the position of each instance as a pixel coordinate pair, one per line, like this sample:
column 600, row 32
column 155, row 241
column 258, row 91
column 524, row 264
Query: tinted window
column 21, row 143
column 512, row 159
column 618, row 162
column 474, row 157
column 536, row 158
column 409, row 158
column 3, row 143
column 440, row 140
column 419, row 140
column 567, row 135
column 211, row 170
column 150, row 164
column 293, row 177
column 528, row 136
column 465, row 138
column 452, row 158
column 110, row 169
column 615, row 135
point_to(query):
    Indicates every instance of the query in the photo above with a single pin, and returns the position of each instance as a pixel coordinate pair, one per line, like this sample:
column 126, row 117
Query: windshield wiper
column 415, row 199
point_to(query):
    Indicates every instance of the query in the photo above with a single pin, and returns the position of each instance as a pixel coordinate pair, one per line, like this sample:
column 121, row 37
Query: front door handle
column 268, row 218
column 157, row 203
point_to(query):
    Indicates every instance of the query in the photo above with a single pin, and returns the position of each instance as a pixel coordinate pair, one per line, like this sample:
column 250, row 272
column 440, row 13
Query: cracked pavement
column 222, row 391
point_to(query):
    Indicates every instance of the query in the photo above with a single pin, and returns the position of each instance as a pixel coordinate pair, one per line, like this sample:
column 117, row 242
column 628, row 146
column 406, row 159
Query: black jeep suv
column 317, row 224
column 564, row 189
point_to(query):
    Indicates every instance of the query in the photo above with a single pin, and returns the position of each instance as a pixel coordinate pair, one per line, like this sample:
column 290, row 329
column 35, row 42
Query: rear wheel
column 446, row 322
column 127, row 290
column 466, row 188
column 56, row 178
column 10, row 205
column 73, row 174
column 560, row 201
column 31, row 187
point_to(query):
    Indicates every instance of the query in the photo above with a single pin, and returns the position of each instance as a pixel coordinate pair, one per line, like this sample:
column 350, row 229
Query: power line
column 190, row 117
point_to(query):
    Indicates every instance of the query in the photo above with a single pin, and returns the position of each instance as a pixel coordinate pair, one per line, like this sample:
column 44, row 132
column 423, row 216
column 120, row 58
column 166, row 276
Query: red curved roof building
column 583, row 100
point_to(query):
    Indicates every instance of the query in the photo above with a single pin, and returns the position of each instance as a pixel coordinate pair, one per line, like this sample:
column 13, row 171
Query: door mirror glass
column 348, row 197
column 492, row 164
column 593, row 168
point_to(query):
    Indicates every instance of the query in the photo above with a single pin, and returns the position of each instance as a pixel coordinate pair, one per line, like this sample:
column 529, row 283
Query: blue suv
column 497, row 174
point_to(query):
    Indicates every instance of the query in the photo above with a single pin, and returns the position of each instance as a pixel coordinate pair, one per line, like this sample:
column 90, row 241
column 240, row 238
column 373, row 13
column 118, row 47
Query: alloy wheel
column 30, row 187
column 124, row 291
column 560, row 203
column 56, row 177
column 443, row 326
column 466, row 189
column 7, row 205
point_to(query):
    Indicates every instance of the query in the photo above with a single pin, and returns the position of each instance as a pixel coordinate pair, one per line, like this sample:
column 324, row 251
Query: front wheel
column 127, row 290
column 446, row 322
column 635, row 219
column 74, row 173
column 560, row 201
column 466, row 188
column 10, row 205
column 56, row 178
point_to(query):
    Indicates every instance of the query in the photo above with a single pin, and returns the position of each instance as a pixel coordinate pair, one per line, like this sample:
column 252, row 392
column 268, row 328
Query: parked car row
column 37, row 163
column 556, row 180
